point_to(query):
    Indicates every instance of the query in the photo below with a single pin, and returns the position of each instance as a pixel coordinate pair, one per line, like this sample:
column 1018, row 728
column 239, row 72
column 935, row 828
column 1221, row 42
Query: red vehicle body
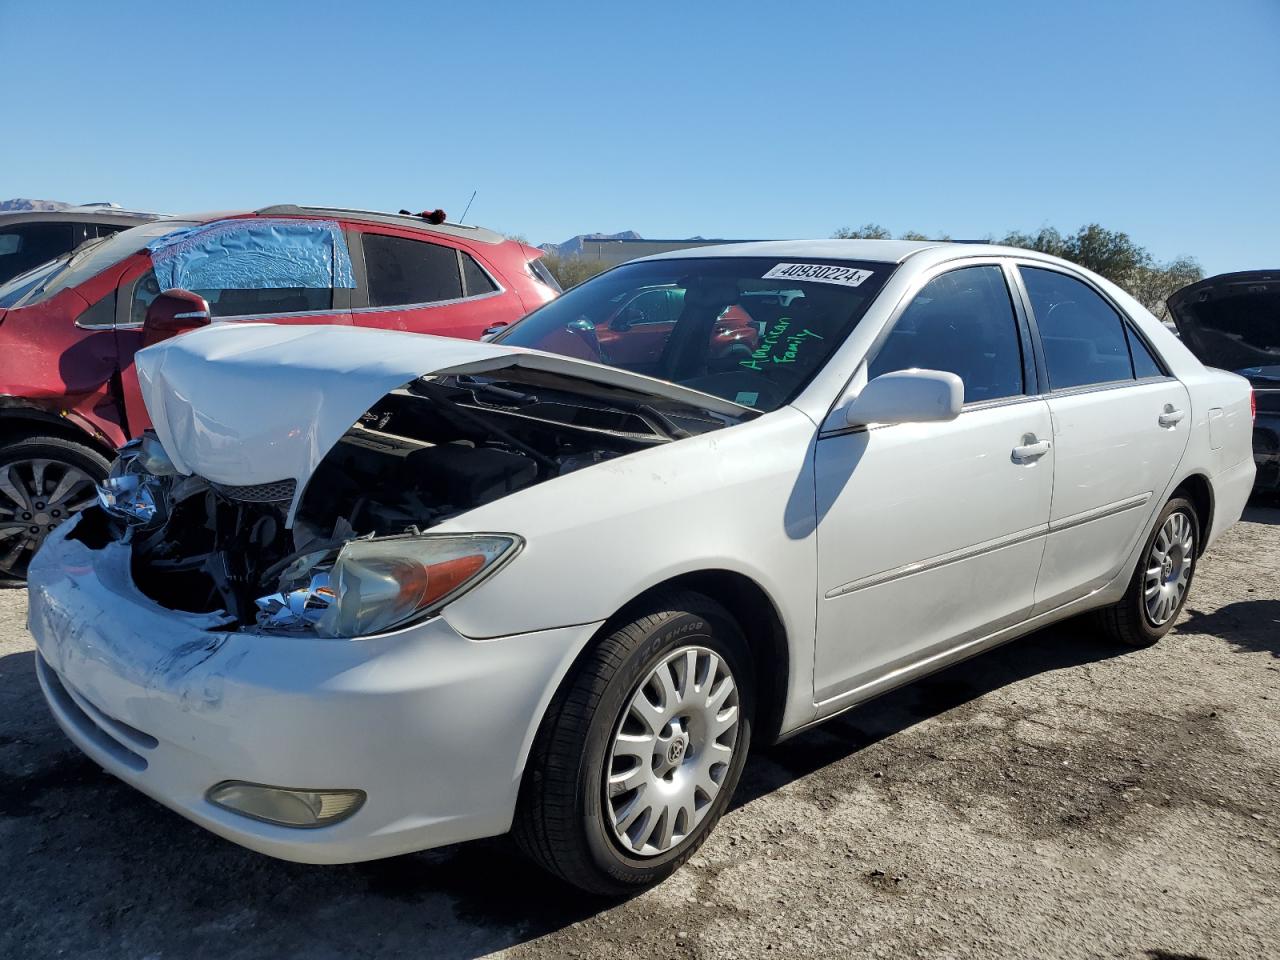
column 636, row 332
column 68, row 332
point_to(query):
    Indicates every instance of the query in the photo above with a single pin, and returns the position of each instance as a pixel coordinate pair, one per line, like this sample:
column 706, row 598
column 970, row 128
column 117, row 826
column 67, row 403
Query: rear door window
column 1082, row 335
column 404, row 272
column 237, row 302
column 249, row 303
column 961, row 322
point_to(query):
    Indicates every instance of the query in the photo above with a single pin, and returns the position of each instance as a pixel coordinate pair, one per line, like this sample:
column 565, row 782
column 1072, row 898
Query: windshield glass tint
column 86, row 261
column 750, row 330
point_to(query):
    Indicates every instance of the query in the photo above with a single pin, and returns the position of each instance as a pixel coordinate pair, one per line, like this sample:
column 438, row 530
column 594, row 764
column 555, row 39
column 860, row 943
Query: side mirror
column 908, row 396
column 173, row 312
column 624, row 321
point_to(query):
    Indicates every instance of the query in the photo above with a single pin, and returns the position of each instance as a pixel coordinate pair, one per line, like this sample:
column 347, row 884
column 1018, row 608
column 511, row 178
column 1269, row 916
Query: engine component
column 469, row 475
column 299, row 609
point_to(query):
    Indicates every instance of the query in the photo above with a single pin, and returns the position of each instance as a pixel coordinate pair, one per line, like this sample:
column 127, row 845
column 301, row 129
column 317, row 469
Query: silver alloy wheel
column 35, row 496
column 1169, row 568
column 671, row 751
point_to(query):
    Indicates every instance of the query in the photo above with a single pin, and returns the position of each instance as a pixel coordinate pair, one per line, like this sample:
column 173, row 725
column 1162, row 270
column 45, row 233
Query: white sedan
column 363, row 592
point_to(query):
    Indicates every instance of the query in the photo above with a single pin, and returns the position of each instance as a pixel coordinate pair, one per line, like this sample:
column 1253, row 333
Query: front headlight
column 134, row 489
column 388, row 583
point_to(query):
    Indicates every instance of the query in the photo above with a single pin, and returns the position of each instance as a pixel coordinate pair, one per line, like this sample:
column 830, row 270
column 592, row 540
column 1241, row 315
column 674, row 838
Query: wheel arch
column 1197, row 488
column 20, row 420
column 755, row 613
column 758, row 618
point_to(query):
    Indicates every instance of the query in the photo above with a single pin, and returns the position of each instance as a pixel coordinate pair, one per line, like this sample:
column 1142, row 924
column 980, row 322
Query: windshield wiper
column 669, row 426
column 480, row 388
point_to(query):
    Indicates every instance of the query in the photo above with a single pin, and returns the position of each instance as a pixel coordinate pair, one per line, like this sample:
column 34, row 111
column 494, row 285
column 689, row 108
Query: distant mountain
column 11, row 206
column 573, row 246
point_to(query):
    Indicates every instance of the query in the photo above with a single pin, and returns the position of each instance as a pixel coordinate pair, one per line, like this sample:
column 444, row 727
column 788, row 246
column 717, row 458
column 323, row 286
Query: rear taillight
column 1253, row 404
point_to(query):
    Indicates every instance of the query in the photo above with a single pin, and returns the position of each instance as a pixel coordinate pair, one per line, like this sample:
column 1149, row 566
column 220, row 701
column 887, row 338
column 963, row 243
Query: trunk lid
column 1232, row 321
column 245, row 404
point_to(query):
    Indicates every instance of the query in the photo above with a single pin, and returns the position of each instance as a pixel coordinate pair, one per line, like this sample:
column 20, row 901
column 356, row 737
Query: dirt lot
column 1057, row 798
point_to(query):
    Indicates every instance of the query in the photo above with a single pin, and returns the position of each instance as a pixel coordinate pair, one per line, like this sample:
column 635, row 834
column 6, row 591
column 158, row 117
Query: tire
column 33, row 501
column 1131, row 621
column 566, row 820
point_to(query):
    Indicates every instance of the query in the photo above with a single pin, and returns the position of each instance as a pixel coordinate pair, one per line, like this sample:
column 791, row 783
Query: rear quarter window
column 402, row 272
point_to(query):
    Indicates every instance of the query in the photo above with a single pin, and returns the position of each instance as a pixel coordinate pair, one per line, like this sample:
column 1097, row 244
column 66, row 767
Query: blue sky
column 731, row 119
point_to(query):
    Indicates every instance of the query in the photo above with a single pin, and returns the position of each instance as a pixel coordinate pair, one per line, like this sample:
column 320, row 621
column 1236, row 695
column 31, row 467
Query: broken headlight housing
column 135, row 488
column 380, row 585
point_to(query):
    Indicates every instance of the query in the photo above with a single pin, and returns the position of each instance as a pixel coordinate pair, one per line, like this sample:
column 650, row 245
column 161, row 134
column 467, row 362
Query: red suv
column 69, row 328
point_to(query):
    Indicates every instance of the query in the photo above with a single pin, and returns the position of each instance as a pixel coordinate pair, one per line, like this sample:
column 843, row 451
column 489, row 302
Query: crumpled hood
column 1232, row 321
column 251, row 403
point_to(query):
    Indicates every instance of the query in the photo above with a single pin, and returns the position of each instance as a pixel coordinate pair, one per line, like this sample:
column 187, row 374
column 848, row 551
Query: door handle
column 1171, row 416
column 1031, row 449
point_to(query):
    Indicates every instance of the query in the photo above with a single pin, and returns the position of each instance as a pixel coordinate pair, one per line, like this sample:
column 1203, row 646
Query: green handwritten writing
column 778, row 346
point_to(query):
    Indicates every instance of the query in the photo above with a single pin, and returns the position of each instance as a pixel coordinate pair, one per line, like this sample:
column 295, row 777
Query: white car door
column 1120, row 426
column 930, row 534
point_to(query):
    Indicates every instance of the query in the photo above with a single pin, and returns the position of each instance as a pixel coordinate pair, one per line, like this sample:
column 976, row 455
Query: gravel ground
column 1056, row 798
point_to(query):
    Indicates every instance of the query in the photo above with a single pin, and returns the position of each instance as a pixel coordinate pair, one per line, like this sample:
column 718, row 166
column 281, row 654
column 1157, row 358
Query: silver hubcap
column 671, row 751
column 1169, row 568
column 36, row 496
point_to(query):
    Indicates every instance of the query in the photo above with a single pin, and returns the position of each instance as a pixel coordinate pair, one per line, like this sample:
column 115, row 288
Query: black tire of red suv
column 33, row 472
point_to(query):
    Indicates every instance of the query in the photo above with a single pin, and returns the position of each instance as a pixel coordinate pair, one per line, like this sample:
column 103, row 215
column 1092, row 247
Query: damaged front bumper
column 432, row 726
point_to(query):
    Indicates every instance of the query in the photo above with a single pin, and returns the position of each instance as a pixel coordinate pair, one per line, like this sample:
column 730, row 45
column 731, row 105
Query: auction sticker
column 818, row 273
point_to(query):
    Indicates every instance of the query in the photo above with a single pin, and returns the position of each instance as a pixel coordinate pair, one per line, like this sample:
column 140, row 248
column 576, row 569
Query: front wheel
column 43, row 481
column 641, row 749
column 1161, row 582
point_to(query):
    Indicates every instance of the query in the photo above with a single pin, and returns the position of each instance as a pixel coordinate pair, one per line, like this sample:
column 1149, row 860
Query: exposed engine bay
column 430, row 450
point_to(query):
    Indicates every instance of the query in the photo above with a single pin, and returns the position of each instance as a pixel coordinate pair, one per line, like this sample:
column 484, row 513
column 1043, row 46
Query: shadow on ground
column 1247, row 625
column 1263, row 509
column 106, row 871
column 1061, row 646
column 93, row 868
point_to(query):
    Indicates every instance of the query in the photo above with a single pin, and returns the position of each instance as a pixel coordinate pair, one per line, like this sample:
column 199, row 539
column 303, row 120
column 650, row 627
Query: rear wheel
column 43, row 481
column 641, row 750
column 1161, row 581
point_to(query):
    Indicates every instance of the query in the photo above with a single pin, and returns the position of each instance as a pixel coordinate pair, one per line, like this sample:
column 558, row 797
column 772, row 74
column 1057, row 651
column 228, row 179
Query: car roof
column 879, row 251
column 110, row 215
column 447, row 229
column 923, row 253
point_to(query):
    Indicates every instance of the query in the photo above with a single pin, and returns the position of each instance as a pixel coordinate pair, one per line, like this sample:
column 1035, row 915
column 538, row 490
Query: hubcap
column 1169, row 568
column 36, row 496
column 671, row 751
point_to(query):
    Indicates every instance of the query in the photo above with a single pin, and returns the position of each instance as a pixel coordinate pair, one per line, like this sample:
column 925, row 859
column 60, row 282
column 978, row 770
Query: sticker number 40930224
column 818, row 273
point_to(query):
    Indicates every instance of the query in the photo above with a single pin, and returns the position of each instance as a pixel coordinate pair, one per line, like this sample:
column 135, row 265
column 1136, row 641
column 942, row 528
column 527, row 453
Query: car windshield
column 747, row 329
column 87, row 260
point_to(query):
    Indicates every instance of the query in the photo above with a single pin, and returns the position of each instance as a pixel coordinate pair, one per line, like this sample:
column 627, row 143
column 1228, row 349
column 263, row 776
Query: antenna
column 468, row 206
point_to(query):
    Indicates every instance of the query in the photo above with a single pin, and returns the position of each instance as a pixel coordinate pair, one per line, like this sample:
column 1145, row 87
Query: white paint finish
column 434, row 727
column 883, row 251
column 1216, row 438
column 886, row 553
column 258, row 403
column 910, row 495
column 908, row 396
column 739, row 499
column 1109, row 449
